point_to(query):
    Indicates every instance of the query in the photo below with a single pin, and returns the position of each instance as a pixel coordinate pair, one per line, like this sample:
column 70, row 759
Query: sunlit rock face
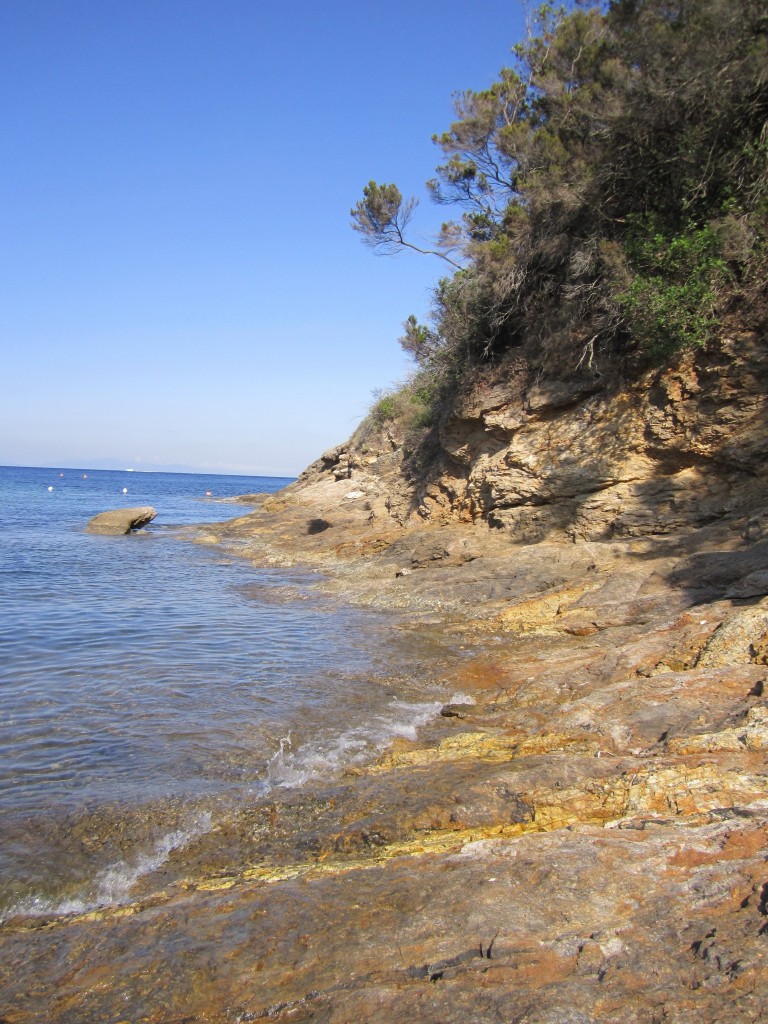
column 677, row 448
column 580, row 458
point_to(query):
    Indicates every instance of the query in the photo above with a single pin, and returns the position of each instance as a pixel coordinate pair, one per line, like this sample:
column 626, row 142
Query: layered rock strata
column 578, row 458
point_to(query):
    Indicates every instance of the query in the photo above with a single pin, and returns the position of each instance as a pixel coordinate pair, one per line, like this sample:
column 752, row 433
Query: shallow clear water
column 147, row 671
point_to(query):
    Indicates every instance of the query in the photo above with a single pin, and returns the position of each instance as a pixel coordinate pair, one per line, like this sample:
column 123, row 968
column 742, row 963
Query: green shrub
column 410, row 406
column 672, row 300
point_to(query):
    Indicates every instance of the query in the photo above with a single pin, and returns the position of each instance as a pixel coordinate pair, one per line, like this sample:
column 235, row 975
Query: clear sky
column 179, row 283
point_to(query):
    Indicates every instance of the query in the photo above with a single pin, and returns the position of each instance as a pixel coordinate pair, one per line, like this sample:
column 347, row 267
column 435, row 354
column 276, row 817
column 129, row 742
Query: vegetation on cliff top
column 612, row 189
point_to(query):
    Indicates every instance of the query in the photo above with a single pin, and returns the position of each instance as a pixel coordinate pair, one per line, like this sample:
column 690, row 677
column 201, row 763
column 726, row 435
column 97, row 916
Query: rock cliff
column 578, row 458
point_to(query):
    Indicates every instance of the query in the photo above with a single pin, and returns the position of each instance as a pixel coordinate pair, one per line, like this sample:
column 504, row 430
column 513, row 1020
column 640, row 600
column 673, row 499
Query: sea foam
column 112, row 886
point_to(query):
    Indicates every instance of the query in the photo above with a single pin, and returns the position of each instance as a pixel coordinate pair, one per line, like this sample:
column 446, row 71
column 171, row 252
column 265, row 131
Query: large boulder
column 121, row 520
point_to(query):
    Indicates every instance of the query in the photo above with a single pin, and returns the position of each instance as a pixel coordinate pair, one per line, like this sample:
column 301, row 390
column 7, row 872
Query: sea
column 149, row 684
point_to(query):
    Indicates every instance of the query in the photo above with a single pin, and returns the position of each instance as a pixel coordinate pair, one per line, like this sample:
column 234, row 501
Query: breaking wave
column 112, row 886
column 290, row 768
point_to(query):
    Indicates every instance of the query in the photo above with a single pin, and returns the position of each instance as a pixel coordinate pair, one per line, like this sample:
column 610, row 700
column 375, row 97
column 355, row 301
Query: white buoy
column 50, row 488
column 125, row 490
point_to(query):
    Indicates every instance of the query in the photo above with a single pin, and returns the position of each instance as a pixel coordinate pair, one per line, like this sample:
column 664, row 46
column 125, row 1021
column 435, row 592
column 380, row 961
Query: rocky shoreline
column 583, row 837
column 586, row 841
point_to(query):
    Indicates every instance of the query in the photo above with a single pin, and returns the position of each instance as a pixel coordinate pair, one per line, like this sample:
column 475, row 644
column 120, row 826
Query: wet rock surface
column 583, row 837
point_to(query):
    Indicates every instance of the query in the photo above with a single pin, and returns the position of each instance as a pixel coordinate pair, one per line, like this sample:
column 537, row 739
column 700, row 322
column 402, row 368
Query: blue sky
column 179, row 283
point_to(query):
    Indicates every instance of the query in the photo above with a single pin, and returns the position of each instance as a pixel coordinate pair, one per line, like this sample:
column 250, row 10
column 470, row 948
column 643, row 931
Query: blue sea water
column 148, row 668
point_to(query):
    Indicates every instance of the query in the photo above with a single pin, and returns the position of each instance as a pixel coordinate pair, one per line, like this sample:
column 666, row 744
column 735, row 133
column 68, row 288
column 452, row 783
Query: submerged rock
column 121, row 520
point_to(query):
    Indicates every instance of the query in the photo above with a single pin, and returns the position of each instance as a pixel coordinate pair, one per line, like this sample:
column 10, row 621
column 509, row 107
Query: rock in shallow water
column 121, row 520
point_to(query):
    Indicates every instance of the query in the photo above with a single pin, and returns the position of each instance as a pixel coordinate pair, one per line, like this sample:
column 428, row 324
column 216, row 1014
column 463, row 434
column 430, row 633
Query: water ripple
column 146, row 668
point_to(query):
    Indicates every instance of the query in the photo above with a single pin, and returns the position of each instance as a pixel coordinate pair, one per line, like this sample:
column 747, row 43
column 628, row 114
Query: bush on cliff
column 613, row 189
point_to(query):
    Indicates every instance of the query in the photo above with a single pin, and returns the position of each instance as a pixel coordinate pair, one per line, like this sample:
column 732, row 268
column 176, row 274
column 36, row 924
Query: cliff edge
column 575, row 458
